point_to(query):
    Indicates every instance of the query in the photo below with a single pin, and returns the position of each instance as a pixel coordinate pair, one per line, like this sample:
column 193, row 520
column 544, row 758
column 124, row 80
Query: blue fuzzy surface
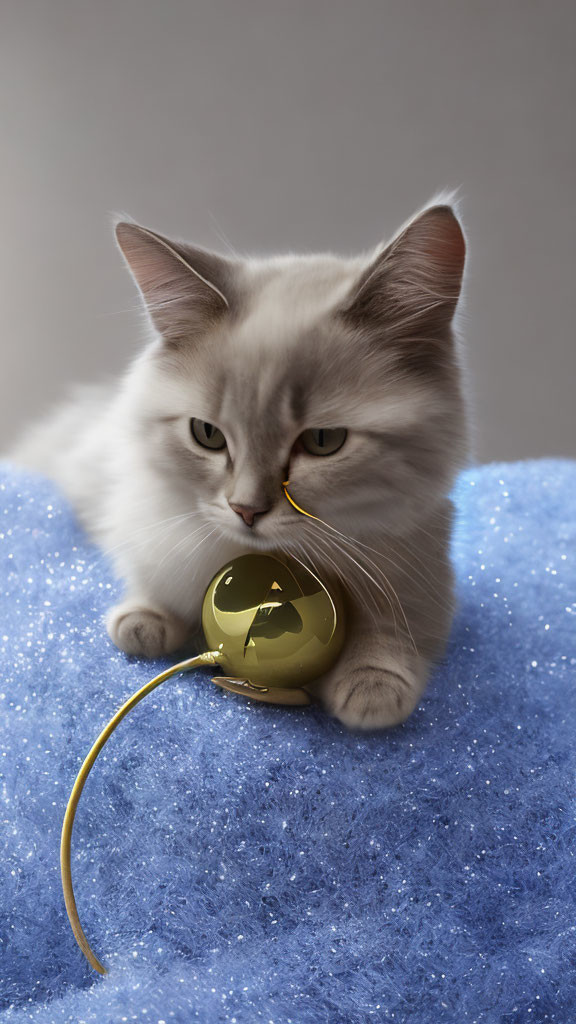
column 244, row 863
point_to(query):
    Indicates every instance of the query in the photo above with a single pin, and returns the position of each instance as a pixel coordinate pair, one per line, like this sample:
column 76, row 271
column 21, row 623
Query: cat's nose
column 248, row 512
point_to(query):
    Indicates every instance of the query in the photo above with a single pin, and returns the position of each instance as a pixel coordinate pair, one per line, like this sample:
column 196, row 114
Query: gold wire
column 297, row 507
column 209, row 658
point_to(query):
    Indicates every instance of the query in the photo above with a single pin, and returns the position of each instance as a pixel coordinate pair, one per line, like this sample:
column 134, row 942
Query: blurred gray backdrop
column 307, row 124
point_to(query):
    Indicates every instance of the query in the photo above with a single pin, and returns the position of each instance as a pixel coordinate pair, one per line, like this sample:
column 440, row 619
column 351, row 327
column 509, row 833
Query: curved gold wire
column 297, row 507
column 209, row 658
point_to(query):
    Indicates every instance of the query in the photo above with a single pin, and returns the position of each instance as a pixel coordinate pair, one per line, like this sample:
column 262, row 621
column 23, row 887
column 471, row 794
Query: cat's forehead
column 290, row 294
column 286, row 360
column 276, row 354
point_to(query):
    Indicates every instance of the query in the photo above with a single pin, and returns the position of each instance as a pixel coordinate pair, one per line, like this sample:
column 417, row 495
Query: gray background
column 290, row 126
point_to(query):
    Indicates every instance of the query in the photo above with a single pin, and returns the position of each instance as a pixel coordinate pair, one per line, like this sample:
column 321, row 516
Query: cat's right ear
column 410, row 291
column 186, row 290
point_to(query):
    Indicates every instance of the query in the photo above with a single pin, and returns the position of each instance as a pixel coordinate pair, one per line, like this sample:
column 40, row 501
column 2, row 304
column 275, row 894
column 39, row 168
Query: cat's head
column 338, row 374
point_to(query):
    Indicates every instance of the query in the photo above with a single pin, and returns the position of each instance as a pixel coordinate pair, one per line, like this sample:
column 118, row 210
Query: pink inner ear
column 153, row 264
column 177, row 281
column 412, row 288
column 443, row 240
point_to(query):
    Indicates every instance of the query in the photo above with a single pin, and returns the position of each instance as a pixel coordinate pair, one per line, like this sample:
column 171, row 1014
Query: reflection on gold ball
column 273, row 620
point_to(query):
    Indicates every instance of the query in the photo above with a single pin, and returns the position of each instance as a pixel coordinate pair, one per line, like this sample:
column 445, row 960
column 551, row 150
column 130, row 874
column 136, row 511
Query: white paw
column 370, row 698
column 144, row 632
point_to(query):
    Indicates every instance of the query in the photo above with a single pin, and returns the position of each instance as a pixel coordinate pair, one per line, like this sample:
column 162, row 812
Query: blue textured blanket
column 243, row 863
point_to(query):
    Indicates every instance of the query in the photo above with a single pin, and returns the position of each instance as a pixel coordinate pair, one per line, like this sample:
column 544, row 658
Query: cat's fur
column 264, row 349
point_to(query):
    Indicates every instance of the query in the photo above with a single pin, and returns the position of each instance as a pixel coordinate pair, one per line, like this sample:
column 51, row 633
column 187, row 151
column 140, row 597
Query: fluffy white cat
column 341, row 374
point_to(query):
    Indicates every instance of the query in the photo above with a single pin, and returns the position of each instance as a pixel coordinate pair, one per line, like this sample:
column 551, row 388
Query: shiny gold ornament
column 275, row 624
column 272, row 626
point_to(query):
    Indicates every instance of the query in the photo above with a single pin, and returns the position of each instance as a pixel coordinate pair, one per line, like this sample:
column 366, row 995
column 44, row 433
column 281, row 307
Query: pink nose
column 248, row 513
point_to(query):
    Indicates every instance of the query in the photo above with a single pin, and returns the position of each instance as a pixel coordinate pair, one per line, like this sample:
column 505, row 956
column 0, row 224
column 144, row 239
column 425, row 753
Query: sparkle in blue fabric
column 241, row 863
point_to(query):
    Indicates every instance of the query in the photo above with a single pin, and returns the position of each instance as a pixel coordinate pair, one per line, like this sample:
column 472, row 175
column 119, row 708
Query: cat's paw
column 364, row 697
column 144, row 632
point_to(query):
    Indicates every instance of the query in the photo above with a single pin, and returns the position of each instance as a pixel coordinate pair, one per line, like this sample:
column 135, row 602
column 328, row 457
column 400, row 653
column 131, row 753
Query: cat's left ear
column 412, row 287
column 186, row 290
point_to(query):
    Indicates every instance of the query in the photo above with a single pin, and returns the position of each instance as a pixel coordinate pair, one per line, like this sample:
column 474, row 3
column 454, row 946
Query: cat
column 340, row 374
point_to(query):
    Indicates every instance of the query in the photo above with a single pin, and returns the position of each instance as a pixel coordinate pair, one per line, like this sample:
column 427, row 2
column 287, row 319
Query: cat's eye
column 323, row 441
column 207, row 435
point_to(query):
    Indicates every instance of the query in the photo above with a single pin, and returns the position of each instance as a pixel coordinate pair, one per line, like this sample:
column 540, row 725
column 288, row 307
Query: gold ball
column 273, row 620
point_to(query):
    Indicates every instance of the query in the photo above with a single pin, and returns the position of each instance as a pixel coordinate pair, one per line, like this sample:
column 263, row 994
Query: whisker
column 130, row 542
column 372, row 580
column 441, row 603
column 429, row 585
column 347, row 583
column 384, row 577
column 172, row 551
column 185, row 567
